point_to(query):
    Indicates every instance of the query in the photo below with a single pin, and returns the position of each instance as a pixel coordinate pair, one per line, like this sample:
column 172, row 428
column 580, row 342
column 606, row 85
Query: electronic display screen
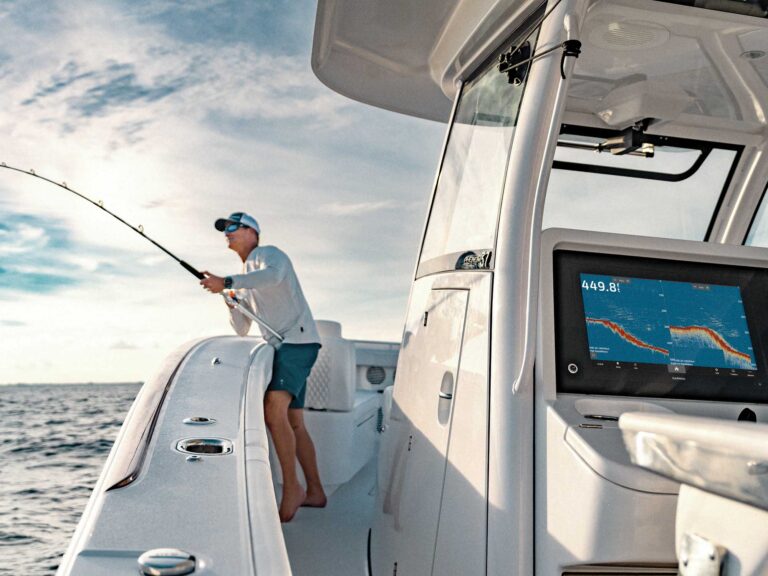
column 663, row 322
column 650, row 327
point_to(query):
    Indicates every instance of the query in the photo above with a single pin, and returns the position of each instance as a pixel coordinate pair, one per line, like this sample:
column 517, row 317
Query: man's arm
column 275, row 266
column 239, row 321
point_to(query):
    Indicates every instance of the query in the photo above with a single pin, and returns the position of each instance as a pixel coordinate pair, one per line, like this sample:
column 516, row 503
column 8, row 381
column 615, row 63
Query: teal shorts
column 290, row 370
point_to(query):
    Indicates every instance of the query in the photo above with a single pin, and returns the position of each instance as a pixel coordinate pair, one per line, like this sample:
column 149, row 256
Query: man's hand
column 212, row 283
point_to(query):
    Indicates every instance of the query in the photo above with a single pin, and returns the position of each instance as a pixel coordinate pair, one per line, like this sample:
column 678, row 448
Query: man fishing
column 269, row 285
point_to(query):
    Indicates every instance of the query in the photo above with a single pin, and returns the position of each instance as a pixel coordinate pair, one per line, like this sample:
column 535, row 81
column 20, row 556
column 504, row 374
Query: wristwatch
column 227, row 282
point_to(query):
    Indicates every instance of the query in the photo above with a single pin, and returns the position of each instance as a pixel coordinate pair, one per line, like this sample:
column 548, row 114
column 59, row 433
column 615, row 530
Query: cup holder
column 207, row 446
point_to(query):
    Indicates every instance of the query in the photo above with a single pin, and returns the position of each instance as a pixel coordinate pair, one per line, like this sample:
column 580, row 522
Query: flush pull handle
column 446, row 399
column 446, row 387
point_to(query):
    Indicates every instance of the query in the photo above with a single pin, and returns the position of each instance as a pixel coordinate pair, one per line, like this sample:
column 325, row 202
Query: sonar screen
column 635, row 326
column 661, row 322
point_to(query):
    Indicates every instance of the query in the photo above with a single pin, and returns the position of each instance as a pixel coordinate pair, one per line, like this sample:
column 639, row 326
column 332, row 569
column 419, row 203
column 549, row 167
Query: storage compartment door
column 412, row 484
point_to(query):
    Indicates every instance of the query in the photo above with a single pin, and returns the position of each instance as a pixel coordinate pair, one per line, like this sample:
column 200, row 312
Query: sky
column 174, row 113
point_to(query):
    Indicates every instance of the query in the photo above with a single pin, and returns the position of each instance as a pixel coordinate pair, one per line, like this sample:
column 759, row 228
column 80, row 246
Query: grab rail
column 268, row 545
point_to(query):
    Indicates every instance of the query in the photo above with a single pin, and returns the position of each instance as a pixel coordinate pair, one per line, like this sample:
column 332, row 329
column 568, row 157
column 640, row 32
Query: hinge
column 700, row 557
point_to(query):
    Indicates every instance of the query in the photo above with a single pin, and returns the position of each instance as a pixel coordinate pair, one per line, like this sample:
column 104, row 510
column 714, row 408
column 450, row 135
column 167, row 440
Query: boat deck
column 332, row 541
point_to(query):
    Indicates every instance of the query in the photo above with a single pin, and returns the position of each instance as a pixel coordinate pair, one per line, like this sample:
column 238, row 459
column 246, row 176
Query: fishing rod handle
column 192, row 270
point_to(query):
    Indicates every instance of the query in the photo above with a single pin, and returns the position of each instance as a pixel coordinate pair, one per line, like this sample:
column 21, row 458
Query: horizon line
column 69, row 383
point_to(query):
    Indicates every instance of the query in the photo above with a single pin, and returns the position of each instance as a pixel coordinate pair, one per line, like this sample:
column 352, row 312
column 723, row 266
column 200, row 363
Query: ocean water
column 54, row 440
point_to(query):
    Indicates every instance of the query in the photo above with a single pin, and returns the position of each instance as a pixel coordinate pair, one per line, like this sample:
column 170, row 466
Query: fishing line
column 100, row 205
column 230, row 298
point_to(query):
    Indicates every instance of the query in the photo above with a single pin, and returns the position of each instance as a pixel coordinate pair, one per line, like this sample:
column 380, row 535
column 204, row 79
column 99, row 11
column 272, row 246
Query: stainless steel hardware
column 699, row 556
column 602, row 417
column 445, row 402
column 207, row 446
column 166, row 562
column 199, row 420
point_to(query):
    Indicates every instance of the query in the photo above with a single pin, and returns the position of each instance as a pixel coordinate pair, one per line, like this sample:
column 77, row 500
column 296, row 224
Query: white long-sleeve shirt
column 270, row 287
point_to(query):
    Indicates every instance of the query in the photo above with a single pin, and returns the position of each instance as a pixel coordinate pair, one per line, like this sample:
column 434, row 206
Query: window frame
column 754, row 217
column 705, row 146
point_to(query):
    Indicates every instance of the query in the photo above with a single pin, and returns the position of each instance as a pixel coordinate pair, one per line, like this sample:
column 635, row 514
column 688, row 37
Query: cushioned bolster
column 331, row 385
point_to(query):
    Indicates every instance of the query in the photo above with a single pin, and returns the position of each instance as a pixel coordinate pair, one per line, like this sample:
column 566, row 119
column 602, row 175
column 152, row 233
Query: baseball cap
column 238, row 218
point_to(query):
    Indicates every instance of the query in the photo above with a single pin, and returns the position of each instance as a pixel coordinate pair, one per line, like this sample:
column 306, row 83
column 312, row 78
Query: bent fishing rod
column 100, row 205
column 230, row 298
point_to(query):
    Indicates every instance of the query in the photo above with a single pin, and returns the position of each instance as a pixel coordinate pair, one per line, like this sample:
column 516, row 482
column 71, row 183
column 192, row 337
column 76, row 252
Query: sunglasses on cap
column 229, row 228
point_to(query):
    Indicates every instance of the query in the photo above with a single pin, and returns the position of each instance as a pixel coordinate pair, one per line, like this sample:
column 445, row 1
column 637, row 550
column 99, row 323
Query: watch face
column 227, row 282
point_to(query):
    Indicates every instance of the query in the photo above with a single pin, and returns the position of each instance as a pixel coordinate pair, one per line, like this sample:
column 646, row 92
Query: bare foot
column 292, row 499
column 315, row 498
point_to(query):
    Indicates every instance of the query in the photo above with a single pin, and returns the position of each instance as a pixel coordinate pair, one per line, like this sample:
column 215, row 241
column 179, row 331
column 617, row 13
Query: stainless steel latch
column 700, row 557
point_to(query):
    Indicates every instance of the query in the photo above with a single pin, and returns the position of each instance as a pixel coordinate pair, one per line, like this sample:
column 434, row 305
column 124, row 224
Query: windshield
column 758, row 232
column 465, row 209
column 667, row 188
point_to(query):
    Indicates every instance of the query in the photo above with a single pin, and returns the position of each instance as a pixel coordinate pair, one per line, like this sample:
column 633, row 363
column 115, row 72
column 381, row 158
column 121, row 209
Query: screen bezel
column 654, row 380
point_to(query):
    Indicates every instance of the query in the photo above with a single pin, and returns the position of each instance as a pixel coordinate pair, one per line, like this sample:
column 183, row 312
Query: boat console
column 634, row 325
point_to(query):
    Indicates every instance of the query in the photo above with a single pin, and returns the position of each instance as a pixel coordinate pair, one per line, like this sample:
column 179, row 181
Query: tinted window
column 758, row 233
column 629, row 194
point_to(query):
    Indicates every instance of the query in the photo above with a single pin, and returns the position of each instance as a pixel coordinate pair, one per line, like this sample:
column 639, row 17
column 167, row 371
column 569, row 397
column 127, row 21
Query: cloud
column 33, row 281
column 175, row 112
column 81, row 91
column 39, row 255
column 357, row 208
column 119, row 86
column 84, row 263
column 154, row 260
column 22, row 238
column 12, row 323
column 123, row 345
column 59, row 81
column 146, row 73
column 243, row 83
column 158, row 203
column 159, row 9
